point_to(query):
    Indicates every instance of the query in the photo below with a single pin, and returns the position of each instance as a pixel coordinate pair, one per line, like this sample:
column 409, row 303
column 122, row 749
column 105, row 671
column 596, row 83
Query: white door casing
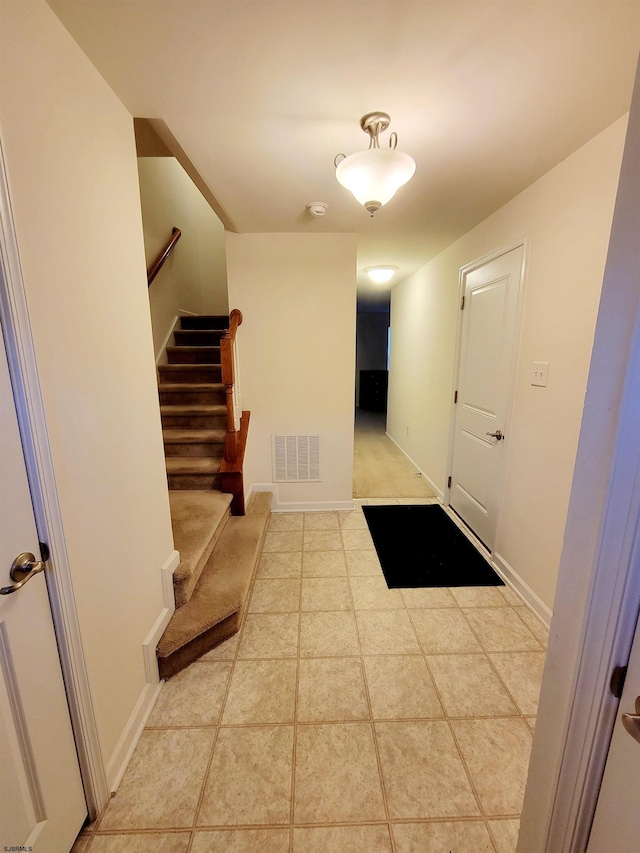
column 616, row 824
column 490, row 293
column 41, row 796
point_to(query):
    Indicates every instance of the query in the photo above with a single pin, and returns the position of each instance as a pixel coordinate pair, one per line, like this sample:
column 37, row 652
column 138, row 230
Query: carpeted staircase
column 218, row 557
column 192, row 404
column 218, row 552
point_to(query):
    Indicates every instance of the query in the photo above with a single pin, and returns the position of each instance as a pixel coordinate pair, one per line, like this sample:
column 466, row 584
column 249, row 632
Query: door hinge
column 455, row 396
column 462, row 303
column 617, row 680
column 448, row 482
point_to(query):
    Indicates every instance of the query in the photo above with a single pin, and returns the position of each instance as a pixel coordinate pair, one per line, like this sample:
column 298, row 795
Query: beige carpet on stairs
column 380, row 469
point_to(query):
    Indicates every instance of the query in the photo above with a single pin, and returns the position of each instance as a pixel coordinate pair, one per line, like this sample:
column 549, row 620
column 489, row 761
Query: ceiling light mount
column 374, row 176
column 374, row 124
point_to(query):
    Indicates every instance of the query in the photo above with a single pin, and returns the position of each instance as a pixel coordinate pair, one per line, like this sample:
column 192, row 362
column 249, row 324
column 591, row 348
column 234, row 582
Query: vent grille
column 296, row 458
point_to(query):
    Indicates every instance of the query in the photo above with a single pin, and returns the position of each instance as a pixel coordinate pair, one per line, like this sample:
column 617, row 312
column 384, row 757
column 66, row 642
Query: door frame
column 598, row 593
column 23, row 370
column 463, row 272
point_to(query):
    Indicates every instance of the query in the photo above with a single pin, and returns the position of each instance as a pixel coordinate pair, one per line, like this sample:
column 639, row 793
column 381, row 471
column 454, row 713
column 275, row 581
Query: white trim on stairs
column 153, row 638
column 165, row 343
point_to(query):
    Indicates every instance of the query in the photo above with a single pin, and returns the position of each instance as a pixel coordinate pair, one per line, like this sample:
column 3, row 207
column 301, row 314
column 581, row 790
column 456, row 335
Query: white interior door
column 489, row 314
column 616, row 824
column 41, row 797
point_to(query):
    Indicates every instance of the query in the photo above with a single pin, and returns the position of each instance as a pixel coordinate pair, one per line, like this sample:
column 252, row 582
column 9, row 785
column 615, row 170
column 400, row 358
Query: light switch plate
column 540, row 373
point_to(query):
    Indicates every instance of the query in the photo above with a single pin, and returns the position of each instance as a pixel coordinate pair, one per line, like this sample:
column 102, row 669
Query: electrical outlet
column 540, row 373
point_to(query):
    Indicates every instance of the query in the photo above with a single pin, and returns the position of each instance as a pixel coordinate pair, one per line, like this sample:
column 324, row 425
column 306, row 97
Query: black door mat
column 421, row 546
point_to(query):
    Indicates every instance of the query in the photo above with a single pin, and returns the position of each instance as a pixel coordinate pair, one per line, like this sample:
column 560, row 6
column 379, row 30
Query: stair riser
column 197, row 373
column 194, row 481
column 205, row 322
column 193, row 355
column 198, row 338
column 187, row 397
column 200, row 645
column 212, row 450
column 194, row 422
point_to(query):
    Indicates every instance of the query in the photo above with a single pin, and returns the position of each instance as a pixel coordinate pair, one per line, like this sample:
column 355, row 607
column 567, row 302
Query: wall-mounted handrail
column 157, row 265
column 228, row 380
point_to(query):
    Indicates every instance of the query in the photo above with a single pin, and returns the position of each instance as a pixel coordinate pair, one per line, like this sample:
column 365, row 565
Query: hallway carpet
column 380, row 469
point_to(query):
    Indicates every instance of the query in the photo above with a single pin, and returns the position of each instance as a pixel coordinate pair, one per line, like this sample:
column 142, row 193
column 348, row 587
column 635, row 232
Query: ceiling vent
column 296, row 458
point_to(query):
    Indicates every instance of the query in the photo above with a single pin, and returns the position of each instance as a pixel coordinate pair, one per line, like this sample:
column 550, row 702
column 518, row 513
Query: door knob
column 23, row 568
column 631, row 722
column 497, row 434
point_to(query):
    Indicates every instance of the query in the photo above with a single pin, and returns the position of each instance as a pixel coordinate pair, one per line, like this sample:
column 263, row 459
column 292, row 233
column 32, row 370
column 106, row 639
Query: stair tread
column 193, row 464
column 186, row 387
column 224, row 583
column 177, row 368
column 175, row 348
column 204, row 321
column 197, row 520
column 196, row 333
column 193, row 436
column 193, row 409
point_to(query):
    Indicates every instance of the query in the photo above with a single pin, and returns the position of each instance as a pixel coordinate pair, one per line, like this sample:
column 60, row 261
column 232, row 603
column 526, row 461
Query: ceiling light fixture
column 381, row 274
column 374, row 176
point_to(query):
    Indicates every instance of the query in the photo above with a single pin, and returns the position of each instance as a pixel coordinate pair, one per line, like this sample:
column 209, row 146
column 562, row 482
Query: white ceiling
column 262, row 94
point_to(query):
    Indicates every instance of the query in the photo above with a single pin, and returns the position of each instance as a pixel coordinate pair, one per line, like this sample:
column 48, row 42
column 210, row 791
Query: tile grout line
column 221, row 714
column 466, row 770
column 487, row 654
column 294, row 757
column 374, row 737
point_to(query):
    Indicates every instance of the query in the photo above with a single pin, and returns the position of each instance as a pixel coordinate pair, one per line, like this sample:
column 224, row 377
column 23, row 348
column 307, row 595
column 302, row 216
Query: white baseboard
column 521, row 588
column 131, row 735
column 297, row 506
column 129, row 738
column 182, row 312
column 312, row 506
column 432, row 485
column 160, row 355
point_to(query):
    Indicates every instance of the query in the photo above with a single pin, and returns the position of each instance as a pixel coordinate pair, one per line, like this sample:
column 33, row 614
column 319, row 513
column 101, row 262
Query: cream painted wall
column 371, row 343
column 70, row 154
column 566, row 219
column 194, row 279
column 296, row 350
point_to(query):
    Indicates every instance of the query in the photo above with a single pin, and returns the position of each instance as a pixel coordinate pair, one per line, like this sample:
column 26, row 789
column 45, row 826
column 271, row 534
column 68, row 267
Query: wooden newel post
column 228, row 380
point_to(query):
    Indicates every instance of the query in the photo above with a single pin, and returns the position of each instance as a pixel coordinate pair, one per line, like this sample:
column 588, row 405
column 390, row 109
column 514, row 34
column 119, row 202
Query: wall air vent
column 296, row 458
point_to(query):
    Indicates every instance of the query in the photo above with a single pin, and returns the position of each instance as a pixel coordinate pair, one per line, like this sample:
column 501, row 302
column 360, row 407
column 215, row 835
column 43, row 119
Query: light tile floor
column 343, row 717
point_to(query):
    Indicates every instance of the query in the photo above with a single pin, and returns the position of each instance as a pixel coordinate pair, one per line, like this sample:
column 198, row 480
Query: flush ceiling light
column 374, row 176
column 381, row 275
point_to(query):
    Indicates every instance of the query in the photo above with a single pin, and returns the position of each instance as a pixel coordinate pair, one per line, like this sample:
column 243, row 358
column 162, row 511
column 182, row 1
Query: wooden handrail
column 157, row 265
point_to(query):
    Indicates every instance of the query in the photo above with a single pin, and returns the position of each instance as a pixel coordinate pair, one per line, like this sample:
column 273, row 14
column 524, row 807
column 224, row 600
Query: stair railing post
column 227, row 358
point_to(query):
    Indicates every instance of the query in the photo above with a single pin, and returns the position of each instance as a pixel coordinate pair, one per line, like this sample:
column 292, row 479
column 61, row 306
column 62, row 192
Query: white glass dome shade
column 374, row 176
column 381, row 274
